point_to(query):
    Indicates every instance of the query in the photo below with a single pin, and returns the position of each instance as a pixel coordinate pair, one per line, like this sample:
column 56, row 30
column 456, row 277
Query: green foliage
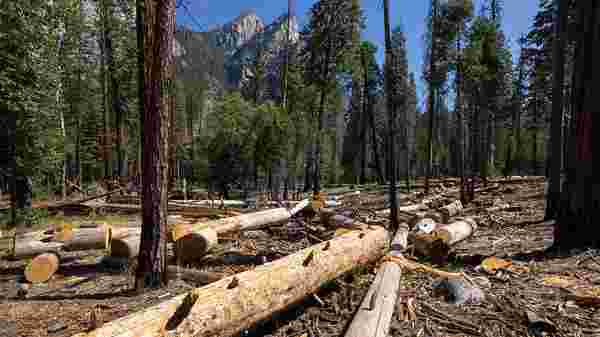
column 25, row 83
column 481, row 56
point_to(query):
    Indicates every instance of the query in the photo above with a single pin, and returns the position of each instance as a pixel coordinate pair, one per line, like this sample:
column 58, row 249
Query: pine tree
column 328, row 36
column 158, row 81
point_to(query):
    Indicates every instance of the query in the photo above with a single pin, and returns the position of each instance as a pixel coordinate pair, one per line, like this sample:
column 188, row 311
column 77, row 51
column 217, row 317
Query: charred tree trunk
column 159, row 28
column 581, row 196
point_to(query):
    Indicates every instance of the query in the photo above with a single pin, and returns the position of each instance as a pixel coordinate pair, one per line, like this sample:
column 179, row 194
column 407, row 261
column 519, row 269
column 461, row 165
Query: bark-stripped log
column 408, row 209
column 86, row 238
column 374, row 315
column 450, row 210
column 42, row 267
column 26, row 249
column 437, row 244
column 229, row 305
column 193, row 241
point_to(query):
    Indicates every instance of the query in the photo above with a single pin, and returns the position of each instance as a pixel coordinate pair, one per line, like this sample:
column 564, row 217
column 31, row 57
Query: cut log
column 194, row 244
column 374, row 315
column 407, row 209
column 437, row 244
column 450, row 210
column 81, row 201
column 27, row 249
column 175, row 272
column 193, row 241
column 457, row 231
column 234, row 303
column 400, row 241
column 193, row 276
column 86, row 238
column 128, row 246
column 42, row 267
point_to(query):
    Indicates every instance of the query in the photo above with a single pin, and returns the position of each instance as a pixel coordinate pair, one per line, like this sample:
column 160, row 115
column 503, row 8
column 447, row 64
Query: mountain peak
column 239, row 31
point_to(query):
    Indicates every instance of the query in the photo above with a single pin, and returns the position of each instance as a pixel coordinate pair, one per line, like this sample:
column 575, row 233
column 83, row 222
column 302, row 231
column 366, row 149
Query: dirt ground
column 534, row 297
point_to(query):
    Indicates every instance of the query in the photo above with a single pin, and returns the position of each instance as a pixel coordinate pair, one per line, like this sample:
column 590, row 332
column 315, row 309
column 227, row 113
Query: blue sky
column 411, row 14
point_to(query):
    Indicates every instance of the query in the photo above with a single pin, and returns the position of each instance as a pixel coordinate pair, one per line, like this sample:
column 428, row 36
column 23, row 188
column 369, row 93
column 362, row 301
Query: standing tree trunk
column 139, row 22
column 432, row 95
column 459, row 119
column 321, row 122
column 576, row 225
column 105, row 90
column 391, row 116
column 159, row 28
column 367, row 110
column 172, row 139
column 558, row 59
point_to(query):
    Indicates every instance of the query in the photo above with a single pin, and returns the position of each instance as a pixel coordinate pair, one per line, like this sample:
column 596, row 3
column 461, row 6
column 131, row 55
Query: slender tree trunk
column 459, row 118
column 159, row 28
column 535, row 133
column 172, row 128
column 321, row 124
column 139, row 18
column 580, row 198
column 391, row 117
column 432, row 95
column 558, row 59
column 368, row 111
column 104, row 88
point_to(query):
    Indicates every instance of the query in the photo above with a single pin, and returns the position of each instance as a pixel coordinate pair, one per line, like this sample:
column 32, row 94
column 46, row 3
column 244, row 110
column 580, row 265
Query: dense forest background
column 258, row 106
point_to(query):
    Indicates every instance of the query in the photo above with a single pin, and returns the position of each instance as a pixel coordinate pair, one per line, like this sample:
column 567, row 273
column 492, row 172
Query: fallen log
column 83, row 200
column 27, row 249
column 192, row 244
column 127, row 247
column 231, row 304
column 193, row 241
column 437, row 244
column 193, row 276
column 450, row 210
column 374, row 315
column 406, row 209
column 42, row 267
column 85, row 238
column 197, row 277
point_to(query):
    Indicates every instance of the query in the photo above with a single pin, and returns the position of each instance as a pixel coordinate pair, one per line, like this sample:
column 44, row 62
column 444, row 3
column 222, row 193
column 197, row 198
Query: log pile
column 231, row 304
column 192, row 241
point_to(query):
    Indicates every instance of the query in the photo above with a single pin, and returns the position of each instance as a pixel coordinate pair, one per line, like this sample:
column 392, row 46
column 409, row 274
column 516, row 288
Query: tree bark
column 229, row 305
column 159, row 28
column 558, row 59
column 576, row 225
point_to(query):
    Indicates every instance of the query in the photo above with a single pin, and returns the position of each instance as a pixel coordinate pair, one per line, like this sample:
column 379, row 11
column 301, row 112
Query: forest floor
column 531, row 294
